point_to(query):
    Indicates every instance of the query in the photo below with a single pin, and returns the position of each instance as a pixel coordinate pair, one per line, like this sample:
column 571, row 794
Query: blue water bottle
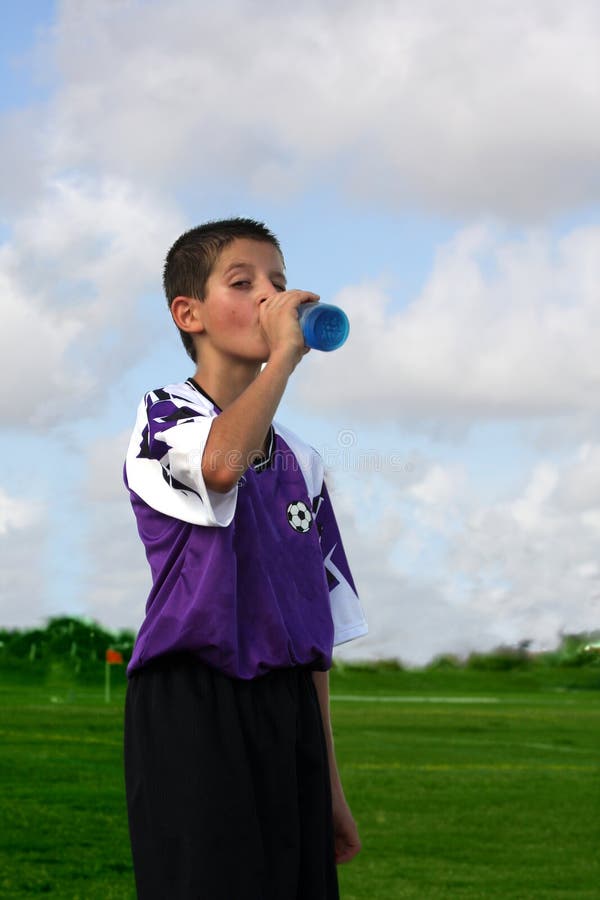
column 325, row 327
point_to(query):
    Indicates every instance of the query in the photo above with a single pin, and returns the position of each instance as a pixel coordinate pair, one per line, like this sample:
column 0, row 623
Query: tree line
column 79, row 645
column 74, row 645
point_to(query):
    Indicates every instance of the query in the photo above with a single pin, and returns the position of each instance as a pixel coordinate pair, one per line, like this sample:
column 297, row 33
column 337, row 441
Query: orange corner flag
column 113, row 657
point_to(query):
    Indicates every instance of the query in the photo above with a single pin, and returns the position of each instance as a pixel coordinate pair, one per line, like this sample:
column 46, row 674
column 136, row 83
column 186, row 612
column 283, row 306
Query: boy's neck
column 225, row 383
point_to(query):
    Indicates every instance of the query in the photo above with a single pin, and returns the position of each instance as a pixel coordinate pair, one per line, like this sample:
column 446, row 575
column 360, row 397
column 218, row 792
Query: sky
column 433, row 168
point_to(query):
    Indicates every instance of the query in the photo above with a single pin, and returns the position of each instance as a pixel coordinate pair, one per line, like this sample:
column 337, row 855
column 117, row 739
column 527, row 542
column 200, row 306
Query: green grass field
column 464, row 784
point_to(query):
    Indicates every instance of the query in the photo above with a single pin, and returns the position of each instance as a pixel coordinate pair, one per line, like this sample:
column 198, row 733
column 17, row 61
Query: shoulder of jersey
column 310, row 461
column 182, row 392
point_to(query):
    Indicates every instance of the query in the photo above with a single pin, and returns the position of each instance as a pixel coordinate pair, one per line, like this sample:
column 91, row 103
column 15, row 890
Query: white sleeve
column 164, row 460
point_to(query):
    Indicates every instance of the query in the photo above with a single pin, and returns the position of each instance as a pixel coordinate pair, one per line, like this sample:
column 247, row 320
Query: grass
column 464, row 785
column 64, row 830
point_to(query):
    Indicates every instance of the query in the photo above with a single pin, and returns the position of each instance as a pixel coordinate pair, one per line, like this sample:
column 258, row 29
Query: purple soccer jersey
column 248, row 581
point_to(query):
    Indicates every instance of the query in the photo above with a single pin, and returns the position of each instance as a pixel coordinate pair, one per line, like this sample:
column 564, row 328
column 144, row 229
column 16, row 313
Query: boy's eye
column 243, row 283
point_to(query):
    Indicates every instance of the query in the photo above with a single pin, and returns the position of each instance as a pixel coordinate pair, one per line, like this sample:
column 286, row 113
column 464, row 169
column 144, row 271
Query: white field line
column 368, row 698
column 534, row 766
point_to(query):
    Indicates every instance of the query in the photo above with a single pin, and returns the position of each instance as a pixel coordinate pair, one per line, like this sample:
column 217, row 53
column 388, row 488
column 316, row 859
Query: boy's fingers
column 293, row 298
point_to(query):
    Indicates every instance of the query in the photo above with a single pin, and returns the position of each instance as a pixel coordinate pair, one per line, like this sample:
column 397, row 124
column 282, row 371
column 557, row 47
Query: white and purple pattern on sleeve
column 349, row 620
column 164, row 458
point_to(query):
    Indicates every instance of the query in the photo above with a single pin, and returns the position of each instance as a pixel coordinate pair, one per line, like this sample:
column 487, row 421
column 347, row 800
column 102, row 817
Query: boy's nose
column 265, row 288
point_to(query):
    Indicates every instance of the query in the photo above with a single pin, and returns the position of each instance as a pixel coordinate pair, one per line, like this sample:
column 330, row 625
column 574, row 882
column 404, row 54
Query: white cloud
column 22, row 548
column 92, row 242
column 502, row 329
column 43, row 390
column 21, row 156
column 16, row 513
column 460, row 107
column 532, row 562
column 579, row 488
column 117, row 579
column 439, row 485
column 458, row 574
column 544, row 556
column 71, row 281
column 410, row 613
column 164, row 94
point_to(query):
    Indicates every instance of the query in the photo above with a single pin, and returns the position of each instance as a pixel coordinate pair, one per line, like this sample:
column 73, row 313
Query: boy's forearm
column 346, row 837
column 321, row 681
column 239, row 432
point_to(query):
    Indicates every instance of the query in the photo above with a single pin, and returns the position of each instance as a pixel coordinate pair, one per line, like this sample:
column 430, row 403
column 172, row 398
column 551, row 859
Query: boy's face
column 245, row 273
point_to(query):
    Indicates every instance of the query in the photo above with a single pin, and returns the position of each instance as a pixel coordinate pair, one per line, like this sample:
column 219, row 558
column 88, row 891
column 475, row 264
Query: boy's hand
column 278, row 318
column 347, row 841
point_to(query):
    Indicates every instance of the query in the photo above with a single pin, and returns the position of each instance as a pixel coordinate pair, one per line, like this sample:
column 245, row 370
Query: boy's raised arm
column 238, row 434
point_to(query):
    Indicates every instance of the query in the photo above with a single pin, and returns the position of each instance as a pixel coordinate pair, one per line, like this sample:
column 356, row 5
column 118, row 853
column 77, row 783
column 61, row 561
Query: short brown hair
column 192, row 257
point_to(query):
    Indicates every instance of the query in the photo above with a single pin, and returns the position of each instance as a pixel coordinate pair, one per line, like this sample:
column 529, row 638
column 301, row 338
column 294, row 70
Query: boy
column 232, row 786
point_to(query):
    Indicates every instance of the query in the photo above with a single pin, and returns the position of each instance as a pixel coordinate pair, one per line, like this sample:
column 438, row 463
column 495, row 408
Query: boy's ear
column 187, row 314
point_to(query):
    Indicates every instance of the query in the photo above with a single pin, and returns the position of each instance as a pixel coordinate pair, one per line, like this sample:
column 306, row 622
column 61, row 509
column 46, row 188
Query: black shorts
column 227, row 782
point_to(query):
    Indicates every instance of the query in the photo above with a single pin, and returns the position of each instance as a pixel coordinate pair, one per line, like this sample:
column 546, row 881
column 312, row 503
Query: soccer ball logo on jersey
column 299, row 516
